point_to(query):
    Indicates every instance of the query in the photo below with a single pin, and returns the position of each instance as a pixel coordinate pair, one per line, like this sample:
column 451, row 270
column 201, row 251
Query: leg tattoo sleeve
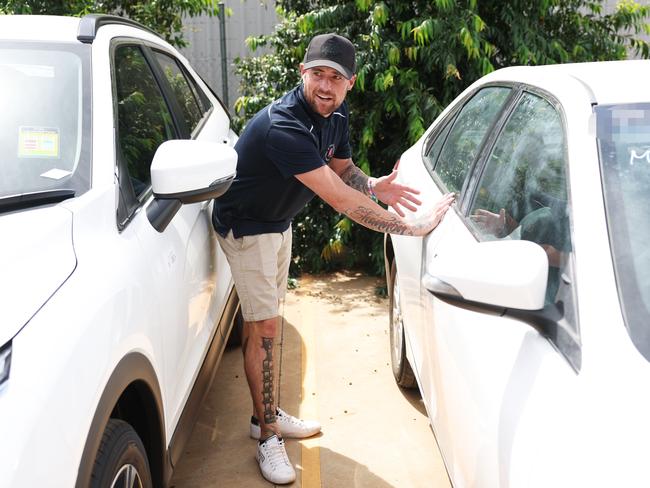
column 267, row 381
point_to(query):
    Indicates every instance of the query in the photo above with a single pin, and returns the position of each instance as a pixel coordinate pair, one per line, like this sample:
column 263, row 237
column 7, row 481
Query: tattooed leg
column 258, row 364
column 267, row 381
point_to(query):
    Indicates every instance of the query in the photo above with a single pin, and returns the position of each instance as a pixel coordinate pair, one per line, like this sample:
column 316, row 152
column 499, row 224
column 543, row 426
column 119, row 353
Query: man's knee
column 263, row 328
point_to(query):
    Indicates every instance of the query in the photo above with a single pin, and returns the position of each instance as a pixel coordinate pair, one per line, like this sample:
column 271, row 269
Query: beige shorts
column 260, row 268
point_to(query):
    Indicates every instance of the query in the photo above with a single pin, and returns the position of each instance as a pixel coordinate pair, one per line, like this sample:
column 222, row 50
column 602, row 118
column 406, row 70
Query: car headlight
column 5, row 362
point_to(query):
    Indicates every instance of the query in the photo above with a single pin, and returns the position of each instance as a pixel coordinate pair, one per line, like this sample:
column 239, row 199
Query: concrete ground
column 334, row 366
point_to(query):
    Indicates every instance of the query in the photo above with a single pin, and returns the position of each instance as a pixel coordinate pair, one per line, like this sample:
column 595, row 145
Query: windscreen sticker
column 38, row 142
column 56, row 174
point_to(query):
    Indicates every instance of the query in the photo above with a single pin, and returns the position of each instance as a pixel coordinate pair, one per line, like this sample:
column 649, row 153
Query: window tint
column 184, row 94
column 431, row 155
column 463, row 143
column 144, row 120
column 200, row 95
column 522, row 193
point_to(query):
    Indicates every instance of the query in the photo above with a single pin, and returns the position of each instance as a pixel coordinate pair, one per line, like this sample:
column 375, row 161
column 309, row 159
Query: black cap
column 331, row 50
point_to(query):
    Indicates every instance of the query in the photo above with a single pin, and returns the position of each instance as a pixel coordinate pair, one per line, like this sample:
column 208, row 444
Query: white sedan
column 116, row 300
column 524, row 317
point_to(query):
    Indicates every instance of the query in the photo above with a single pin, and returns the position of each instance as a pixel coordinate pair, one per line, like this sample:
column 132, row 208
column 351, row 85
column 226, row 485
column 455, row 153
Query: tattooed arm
column 384, row 188
column 351, row 175
column 345, row 199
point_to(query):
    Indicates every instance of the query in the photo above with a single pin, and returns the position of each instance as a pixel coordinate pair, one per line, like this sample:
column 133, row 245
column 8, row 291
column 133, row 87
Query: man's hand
column 344, row 198
column 491, row 222
column 394, row 194
column 432, row 218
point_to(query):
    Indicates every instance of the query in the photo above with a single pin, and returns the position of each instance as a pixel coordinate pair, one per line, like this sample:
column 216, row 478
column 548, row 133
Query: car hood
column 37, row 256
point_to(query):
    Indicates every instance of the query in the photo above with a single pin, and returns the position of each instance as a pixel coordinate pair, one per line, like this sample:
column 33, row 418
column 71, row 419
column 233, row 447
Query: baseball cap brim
column 330, row 64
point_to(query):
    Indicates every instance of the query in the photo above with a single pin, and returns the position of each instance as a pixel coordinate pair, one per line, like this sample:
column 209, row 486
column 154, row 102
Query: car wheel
column 401, row 368
column 121, row 461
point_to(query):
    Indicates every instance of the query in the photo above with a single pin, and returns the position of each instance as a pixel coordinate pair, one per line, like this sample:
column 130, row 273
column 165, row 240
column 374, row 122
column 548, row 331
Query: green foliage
column 165, row 17
column 144, row 121
column 414, row 57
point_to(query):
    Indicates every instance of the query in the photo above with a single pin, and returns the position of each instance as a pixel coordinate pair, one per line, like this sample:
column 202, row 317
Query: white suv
column 115, row 300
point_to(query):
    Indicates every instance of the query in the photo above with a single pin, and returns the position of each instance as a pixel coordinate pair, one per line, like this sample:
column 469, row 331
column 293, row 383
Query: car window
column 431, row 155
column 45, row 118
column 200, row 95
column 143, row 118
column 624, row 152
column 522, row 193
column 463, row 141
column 185, row 94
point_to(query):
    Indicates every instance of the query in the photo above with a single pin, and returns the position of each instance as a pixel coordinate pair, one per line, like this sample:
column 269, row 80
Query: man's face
column 325, row 88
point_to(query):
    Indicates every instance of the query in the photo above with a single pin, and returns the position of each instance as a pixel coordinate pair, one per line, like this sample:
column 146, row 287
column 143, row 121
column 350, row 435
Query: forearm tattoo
column 374, row 220
column 267, row 381
column 355, row 178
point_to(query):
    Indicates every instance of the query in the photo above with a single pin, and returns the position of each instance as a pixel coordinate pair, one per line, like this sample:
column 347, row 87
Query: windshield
column 45, row 122
column 624, row 146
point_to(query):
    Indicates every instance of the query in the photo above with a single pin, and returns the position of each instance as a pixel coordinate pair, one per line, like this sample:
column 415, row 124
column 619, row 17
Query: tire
column 401, row 368
column 121, row 460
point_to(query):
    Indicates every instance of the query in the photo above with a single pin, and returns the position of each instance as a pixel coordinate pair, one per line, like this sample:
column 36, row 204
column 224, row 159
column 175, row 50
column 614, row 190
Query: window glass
column 464, row 141
column 44, row 118
column 431, row 155
column 624, row 150
column 522, row 193
column 183, row 93
column 144, row 120
column 201, row 97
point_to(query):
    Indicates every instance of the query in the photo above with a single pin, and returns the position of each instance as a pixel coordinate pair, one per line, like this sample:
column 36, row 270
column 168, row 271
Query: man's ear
column 351, row 82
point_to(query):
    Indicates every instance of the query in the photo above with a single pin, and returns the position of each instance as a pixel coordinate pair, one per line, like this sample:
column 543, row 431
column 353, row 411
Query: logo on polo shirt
column 330, row 153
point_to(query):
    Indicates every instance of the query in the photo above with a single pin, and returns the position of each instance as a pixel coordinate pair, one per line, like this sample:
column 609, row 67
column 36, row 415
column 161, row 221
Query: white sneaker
column 274, row 462
column 289, row 426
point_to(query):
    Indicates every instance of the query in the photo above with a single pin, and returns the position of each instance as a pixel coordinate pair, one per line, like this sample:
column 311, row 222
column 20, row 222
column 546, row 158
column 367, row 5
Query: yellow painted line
column 310, row 448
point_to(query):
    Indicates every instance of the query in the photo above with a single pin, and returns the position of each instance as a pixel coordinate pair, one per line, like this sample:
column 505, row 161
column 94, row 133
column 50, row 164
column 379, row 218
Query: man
column 296, row 147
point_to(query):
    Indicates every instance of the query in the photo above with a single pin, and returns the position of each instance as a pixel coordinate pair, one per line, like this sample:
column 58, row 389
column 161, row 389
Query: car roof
column 58, row 28
column 38, row 27
column 608, row 82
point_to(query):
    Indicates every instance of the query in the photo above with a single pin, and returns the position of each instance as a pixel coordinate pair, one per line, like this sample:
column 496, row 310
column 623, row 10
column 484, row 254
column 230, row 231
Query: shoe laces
column 276, row 453
column 288, row 418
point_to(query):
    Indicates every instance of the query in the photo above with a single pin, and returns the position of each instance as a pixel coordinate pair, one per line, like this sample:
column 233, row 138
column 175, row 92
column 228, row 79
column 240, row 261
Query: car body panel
column 105, row 293
column 507, row 408
column 180, row 261
column 32, row 272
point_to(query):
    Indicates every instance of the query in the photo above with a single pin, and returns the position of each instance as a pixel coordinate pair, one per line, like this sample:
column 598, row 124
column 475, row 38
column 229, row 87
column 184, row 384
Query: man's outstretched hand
column 432, row 217
column 440, row 209
column 396, row 195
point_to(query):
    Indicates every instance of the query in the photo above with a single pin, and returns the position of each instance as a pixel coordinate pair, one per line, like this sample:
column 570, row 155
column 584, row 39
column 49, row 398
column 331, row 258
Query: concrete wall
column 610, row 6
column 249, row 18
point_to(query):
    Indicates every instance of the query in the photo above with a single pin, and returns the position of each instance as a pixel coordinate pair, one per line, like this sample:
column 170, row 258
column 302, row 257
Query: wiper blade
column 34, row 199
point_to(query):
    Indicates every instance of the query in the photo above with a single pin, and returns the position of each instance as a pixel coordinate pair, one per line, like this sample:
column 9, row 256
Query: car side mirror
column 506, row 278
column 188, row 171
column 496, row 274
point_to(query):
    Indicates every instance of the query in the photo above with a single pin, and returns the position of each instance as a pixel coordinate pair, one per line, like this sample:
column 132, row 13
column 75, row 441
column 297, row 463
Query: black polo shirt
column 285, row 139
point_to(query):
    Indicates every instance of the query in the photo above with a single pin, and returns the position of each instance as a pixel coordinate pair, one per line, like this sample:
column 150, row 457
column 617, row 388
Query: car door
column 157, row 99
column 459, row 137
column 486, row 368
